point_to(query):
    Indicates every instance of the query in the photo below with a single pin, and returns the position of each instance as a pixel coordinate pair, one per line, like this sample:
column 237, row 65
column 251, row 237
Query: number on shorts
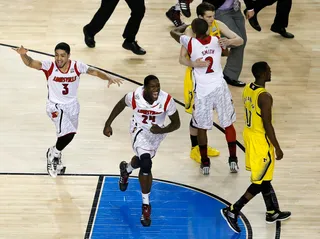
column 248, row 118
column 65, row 90
column 209, row 69
column 151, row 118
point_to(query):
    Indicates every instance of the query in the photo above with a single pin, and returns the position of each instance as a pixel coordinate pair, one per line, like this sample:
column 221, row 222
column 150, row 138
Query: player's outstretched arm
column 27, row 60
column 177, row 32
column 104, row 76
column 265, row 103
column 119, row 107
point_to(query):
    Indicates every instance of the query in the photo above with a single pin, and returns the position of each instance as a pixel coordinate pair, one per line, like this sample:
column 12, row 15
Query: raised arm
column 104, row 76
column 119, row 107
column 232, row 38
column 265, row 104
column 27, row 60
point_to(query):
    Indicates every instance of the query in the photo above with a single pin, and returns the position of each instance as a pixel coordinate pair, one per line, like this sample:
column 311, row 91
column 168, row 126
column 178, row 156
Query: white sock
column 55, row 151
column 177, row 7
column 145, row 198
column 129, row 168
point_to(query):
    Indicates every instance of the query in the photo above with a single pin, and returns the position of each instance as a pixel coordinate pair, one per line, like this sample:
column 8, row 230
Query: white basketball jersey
column 206, row 79
column 63, row 87
column 144, row 114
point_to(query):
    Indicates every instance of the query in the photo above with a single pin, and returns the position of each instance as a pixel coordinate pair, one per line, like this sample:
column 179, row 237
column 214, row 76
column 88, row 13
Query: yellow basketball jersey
column 253, row 120
column 214, row 29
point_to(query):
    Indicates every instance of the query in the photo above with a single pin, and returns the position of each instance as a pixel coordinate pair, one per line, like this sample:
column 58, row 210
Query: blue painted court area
column 178, row 212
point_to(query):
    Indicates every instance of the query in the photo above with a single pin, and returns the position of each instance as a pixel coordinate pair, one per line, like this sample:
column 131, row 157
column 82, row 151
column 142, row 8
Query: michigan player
column 216, row 28
column 150, row 107
column 63, row 76
column 261, row 146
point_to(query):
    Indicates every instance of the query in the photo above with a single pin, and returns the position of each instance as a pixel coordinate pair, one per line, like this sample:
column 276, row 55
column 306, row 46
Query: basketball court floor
column 86, row 201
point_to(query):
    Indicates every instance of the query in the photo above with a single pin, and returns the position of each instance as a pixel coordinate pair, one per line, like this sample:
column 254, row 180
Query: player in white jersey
column 150, row 107
column 211, row 90
column 63, row 77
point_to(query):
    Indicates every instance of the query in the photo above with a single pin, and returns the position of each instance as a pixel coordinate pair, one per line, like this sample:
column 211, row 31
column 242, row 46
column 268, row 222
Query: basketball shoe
column 174, row 16
column 146, row 215
column 232, row 219
column 233, row 164
column 277, row 216
column 195, row 153
column 124, row 176
column 205, row 166
column 52, row 162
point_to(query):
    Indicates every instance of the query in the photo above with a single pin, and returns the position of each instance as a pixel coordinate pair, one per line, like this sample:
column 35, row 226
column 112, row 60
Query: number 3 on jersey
column 151, row 118
column 209, row 69
column 248, row 118
column 65, row 90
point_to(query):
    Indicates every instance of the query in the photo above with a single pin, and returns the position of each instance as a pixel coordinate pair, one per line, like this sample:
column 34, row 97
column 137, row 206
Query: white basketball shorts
column 64, row 116
column 220, row 100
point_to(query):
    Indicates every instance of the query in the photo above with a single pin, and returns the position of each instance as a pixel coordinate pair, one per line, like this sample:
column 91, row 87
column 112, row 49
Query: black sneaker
column 205, row 166
column 134, row 47
column 233, row 164
column 88, row 39
column 146, row 215
column 231, row 218
column 277, row 216
column 185, row 7
column 124, row 176
column 174, row 16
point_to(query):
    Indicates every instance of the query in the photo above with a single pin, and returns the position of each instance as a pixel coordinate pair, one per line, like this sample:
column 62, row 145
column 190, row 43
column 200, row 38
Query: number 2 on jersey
column 65, row 90
column 209, row 69
column 248, row 118
column 151, row 118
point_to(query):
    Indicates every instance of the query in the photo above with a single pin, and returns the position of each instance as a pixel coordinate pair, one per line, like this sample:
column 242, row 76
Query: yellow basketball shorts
column 260, row 157
column 188, row 91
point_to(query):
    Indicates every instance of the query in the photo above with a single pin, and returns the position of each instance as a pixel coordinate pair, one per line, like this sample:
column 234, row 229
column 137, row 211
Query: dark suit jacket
column 218, row 3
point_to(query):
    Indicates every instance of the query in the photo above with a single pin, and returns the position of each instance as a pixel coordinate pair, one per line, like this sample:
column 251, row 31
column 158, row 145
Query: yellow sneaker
column 212, row 152
column 195, row 153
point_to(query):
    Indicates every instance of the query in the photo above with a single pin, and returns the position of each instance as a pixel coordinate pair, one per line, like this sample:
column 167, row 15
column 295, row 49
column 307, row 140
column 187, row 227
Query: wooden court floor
column 37, row 206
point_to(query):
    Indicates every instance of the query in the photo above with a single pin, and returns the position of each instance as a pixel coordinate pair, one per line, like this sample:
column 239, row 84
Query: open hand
column 200, row 63
column 114, row 80
column 20, row 50
column 224, row 42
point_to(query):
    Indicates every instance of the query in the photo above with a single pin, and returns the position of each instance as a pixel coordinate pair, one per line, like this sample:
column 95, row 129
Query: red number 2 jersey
column 144, row 114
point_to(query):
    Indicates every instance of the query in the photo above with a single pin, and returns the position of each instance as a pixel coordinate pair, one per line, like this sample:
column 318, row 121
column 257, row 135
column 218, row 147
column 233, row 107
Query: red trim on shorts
column 134, row 105
column 76, row 69
column 48, row 72
column 167, row 102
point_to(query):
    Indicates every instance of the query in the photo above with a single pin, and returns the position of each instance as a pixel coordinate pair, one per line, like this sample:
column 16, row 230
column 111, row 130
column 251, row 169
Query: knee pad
column 145, row 164
column 266, row 187
column 254, row 189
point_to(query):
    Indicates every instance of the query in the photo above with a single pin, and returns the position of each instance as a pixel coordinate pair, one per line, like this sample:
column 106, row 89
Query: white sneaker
column 52, row 163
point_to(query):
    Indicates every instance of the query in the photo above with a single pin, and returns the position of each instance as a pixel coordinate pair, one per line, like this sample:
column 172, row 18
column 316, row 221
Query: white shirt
column 144, row 114
column 63, row 87
column 206, row 79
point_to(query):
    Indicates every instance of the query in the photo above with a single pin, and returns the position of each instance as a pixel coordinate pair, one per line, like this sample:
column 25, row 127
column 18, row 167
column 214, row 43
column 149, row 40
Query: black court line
column 278, row 224
column 94, row 208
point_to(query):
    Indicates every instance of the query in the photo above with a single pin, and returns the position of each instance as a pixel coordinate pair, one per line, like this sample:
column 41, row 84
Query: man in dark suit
column 280, row 21
column 102, row 16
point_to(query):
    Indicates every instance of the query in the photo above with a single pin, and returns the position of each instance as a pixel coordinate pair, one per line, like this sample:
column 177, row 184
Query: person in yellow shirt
column 262, row 148
column 204, row 11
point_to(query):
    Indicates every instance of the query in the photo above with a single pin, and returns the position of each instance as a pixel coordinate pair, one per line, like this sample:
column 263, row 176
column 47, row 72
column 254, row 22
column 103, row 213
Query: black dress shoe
column 253, row 21
column 282, row 31
column 88, row 39
column 234, row 82
column 134, row 47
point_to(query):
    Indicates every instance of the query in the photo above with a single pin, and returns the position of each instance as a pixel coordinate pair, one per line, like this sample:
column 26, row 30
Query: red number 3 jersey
column 63, row 87
column 144, row 114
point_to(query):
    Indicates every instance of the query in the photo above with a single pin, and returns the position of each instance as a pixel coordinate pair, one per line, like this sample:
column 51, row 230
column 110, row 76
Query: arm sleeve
column 128, row 99
column 184, row 41
column 82, row 67
column 45, row 65
column 171, row 108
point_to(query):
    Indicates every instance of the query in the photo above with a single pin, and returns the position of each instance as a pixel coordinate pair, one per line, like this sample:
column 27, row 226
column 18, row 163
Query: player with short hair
column 261, row 146
column 150, row 107
column 63, row 76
